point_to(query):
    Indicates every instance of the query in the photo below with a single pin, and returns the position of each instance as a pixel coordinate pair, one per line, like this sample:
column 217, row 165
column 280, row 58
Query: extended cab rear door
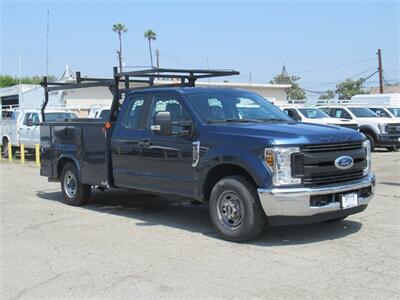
column 126, row 153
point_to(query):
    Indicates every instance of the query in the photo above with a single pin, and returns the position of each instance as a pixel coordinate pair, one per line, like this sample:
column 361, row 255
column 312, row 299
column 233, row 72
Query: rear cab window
column 133, row 116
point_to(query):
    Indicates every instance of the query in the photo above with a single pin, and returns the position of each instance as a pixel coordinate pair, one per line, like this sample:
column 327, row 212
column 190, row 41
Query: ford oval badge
column 344, row 162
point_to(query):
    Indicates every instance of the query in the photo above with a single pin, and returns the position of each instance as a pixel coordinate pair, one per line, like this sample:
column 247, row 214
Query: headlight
column 279, row 161
column 383, row 128
column 367, row 145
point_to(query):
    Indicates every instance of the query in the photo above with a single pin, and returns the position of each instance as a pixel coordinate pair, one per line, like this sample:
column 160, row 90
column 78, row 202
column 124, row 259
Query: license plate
column 349, row 200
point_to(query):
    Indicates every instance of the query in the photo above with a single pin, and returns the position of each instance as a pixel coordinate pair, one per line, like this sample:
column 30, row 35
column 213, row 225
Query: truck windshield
column 395, row 111
column 59, row 116
column 362, row 112
column 313, row 113
column 235, row 106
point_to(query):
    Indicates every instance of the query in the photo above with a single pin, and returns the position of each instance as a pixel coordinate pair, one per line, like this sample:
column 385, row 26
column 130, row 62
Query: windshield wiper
column 235, row 121
column 273, row 119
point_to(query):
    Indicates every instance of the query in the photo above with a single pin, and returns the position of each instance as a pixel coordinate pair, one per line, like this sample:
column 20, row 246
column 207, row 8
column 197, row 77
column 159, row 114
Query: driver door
column 168, row 159
column 28, row 128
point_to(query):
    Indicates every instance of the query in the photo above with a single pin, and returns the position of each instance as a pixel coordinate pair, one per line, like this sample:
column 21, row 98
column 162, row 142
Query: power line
column 333, row 67
column 348, row 77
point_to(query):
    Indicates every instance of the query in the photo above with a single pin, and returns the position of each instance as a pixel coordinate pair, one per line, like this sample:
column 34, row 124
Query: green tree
column 119, row 28
column 329, row 94
column 295, row 91
column 150, row 35
column 349, row 88
column 7, row 80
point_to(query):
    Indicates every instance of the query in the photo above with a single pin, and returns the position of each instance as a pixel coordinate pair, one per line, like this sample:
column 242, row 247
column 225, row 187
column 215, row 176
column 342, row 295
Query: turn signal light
column 269, row 158
column 107, row 125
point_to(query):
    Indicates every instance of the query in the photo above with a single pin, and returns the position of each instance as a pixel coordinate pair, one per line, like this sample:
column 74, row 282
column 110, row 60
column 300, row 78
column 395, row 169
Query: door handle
column 144, row 143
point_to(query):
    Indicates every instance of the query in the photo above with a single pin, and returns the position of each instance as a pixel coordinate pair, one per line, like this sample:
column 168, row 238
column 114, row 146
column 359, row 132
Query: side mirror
column 162, row 123
column 29, row 123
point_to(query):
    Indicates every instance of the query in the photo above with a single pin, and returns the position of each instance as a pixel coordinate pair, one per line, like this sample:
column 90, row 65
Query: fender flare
column 257, row 173
column 69, row 157
column 370, row 128
column 5, row 136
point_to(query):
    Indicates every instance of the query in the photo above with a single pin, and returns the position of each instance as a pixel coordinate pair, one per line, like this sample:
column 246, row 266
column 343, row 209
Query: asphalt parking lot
column 125, row 245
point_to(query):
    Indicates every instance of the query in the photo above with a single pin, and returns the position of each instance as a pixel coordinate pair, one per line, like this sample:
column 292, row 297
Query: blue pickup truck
column 230, row 149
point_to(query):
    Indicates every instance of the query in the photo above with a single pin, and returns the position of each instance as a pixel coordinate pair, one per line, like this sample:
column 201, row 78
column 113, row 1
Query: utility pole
column 47, row 44
column 380, row 70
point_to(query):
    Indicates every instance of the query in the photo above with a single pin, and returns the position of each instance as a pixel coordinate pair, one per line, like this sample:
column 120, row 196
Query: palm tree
column 119, row 28
column 150, row 35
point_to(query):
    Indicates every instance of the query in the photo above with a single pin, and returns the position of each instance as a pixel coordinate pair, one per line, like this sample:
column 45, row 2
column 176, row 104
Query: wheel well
column 221, row 171
column 61, row 163
column 369, row 131
column 4, row 140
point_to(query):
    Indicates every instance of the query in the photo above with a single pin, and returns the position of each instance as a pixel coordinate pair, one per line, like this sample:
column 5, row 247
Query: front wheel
column 393, row 148
column 75, row 193
column 371, row 141
column 235, row 209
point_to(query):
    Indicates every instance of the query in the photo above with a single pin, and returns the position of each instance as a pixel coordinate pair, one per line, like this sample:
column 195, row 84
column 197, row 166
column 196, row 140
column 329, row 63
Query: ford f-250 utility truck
column 231, row 149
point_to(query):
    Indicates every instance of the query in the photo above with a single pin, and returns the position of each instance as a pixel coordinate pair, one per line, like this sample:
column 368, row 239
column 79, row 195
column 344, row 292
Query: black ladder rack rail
column 187, row 77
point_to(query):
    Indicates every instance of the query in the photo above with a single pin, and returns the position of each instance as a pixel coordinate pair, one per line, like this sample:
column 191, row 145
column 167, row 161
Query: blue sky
column 322, row 42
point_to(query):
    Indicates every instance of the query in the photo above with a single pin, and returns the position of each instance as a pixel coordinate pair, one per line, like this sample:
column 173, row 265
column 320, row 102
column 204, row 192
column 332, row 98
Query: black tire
column 243, row 201
column 371, row 140
column 74, row 192
column 392, row 149
column 5, row 149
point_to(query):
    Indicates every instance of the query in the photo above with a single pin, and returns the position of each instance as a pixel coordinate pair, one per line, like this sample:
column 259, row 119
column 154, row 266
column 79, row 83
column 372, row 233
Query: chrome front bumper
column 295, row 202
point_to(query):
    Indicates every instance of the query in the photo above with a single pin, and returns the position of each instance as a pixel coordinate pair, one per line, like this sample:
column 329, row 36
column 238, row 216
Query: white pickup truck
column 381, row 132
column 22, row 127
column 316, row 116
column 386, row 111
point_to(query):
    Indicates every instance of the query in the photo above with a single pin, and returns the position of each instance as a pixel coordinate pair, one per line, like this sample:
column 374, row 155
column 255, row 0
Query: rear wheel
column 75, row 193
column 371, row 140
column 5, row 149
column 235, row 209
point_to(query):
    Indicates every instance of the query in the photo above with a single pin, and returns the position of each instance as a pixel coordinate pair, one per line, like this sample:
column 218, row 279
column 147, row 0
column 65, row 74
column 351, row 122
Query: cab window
column 342, row 113
column 380, row 112
column 134, row 113
column 166, row 103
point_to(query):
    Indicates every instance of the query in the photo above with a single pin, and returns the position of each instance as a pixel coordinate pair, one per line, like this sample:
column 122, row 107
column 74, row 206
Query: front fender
column 370, row 128
column 250, row 161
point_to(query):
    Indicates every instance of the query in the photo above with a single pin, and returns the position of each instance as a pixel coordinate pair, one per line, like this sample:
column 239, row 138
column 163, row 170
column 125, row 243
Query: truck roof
column 187, row 90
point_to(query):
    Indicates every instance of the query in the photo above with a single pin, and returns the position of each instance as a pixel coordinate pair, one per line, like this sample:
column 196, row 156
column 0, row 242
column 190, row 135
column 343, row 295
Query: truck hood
column 291, row 133
column 377, row 120
column 330, row 121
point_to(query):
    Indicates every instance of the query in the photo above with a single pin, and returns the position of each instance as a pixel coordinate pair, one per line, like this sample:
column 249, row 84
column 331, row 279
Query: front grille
column 333, row 178
column 315, row 165
column 332, row 147
column 394, row 128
